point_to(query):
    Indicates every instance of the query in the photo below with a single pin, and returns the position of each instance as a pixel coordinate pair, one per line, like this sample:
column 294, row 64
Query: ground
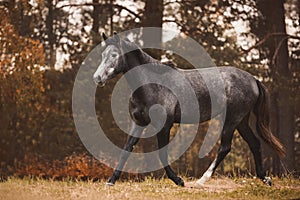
column 216, row 188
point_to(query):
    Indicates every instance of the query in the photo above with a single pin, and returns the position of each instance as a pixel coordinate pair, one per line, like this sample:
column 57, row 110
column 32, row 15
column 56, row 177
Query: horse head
column 112, row 60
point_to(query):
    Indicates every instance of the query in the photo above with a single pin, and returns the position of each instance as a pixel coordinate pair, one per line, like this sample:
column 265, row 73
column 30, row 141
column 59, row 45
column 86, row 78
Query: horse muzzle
column 98, row 81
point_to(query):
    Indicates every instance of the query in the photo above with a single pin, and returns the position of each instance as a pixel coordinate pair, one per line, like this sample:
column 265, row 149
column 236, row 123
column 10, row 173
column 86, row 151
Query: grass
column 216, row 188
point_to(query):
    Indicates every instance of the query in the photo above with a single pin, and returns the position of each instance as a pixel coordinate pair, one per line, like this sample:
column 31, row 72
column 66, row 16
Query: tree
column 208, row 23
column 50, row 32
column 21, row 91
column 277, row 53
column 153, row 17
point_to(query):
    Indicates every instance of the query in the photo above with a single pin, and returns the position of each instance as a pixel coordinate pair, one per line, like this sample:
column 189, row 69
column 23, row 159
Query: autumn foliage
column 82, row 166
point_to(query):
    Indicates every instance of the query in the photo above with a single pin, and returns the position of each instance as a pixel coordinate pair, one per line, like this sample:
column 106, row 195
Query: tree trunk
column 95, row 26
column 153, row 17
column 111, row 11
column 51, row 57
column 274, row 20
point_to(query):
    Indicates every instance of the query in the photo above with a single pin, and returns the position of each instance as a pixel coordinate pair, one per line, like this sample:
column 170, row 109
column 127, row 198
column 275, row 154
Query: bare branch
column 128, row 10
column 181, row 2
column 278, row 47
column 269, row 36
column 103, row 5
column 172, row 20
column 172, row 2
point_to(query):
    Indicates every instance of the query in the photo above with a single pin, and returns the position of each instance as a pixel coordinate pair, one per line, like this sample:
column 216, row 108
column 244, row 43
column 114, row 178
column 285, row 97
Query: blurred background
column 43, row 43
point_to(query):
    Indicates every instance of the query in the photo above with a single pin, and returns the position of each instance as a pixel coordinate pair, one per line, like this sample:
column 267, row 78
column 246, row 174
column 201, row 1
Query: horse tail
column 262, row 112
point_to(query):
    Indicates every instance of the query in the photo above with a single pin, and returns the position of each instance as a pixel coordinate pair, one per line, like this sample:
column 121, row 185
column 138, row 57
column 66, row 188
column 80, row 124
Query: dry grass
column 217, row 188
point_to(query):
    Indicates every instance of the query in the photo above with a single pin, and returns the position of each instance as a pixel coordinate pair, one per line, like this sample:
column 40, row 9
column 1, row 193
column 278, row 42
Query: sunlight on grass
column 217, row 188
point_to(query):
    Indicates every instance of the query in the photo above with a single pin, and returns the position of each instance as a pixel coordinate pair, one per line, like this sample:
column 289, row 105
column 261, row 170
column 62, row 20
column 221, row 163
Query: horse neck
column 135, row 59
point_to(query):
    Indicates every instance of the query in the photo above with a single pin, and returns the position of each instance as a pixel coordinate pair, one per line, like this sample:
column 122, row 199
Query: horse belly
column 194, row 114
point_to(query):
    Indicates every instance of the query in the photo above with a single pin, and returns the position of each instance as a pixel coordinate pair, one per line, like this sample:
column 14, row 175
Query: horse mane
column 145, row 58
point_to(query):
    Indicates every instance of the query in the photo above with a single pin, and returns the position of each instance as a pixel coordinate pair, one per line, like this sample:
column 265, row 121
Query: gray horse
column 245, row 97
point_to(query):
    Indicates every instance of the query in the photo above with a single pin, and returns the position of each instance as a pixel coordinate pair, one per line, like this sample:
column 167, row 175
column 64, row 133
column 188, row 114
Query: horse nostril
column 97, row 79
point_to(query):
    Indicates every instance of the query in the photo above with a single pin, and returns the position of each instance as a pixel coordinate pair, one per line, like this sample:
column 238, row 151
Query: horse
column 246, row 98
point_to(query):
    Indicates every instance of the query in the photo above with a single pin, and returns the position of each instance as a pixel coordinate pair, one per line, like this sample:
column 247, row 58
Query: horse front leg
column 132, row 140
column 163, row 138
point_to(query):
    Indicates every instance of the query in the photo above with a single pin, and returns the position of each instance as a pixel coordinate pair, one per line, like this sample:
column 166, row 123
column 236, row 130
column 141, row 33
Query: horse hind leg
column 254, row 144
column 224, row 149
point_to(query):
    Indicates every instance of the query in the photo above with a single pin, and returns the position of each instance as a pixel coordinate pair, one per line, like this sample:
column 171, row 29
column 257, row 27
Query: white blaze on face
column 110, row 70
column 107, row 65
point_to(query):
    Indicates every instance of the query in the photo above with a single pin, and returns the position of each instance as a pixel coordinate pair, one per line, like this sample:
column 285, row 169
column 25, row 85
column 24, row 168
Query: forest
column 43, row 44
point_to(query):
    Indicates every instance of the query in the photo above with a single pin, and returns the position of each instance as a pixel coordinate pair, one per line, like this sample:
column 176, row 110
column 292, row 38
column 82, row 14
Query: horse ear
column 104, row 36
column 116, row 36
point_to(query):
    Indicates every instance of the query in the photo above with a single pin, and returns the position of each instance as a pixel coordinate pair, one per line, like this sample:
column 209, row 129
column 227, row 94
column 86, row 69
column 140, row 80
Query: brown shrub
column 82, row 166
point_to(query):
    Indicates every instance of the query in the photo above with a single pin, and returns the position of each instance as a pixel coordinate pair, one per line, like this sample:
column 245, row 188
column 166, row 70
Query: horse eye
column 114, row 55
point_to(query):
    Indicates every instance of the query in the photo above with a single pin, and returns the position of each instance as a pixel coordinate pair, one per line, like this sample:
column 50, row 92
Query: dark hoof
column 267, row 180
column 179, row 182
column 111, row 181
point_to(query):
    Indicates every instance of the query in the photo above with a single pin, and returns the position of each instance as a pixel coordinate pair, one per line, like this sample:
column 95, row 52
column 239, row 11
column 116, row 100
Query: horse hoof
column 109, row 184
column 180, row 182
column 268, row 180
